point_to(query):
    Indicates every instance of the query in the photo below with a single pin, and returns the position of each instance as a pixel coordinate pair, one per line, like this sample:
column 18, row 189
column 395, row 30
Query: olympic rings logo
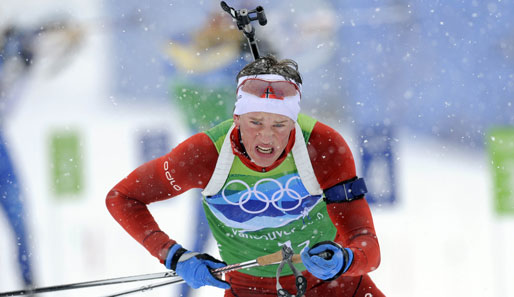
column 247, row 194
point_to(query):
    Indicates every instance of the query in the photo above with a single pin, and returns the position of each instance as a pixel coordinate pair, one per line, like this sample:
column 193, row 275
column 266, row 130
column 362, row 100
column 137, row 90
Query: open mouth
column 264, row 150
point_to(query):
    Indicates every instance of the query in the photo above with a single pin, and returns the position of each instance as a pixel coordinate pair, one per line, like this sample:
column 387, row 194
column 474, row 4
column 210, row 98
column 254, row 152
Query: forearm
column 354, row 223
column 366, row 252
column 139, row 223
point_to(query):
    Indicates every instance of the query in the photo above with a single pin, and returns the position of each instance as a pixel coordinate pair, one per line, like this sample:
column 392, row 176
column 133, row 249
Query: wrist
column 174, row 254
column 348, row 260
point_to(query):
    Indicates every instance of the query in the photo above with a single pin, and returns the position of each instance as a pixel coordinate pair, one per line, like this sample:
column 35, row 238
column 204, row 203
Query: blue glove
column 327, row 260
column 195, row 268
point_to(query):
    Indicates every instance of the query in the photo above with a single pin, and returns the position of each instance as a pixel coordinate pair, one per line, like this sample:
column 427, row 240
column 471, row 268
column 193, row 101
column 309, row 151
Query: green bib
column 255, row 213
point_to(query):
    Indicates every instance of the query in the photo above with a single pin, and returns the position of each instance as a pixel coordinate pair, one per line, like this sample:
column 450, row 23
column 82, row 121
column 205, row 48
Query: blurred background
column 421, row 90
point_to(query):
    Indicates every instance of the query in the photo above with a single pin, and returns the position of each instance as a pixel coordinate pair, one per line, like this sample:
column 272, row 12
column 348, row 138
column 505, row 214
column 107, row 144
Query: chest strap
column 223, row 165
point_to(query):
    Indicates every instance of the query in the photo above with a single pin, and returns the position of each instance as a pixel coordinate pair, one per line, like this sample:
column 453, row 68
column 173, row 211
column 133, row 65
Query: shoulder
column 330, row 155
column 323, row 133
column 217, row 133
column 322, row 136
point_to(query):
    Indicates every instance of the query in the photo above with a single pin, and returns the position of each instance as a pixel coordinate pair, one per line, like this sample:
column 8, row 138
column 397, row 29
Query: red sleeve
column 189, row 165
column 333, row 163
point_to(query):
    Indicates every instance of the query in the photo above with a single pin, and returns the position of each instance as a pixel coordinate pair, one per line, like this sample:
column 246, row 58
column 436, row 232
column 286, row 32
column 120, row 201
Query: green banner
column 66, row 163
column 204, row 107
column 501, row 151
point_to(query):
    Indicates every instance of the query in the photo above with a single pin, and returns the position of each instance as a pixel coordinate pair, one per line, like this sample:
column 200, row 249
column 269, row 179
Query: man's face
column 264, row 135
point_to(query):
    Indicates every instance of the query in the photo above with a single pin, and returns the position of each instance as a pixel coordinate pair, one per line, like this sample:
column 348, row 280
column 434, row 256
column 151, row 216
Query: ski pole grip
column 276, row 258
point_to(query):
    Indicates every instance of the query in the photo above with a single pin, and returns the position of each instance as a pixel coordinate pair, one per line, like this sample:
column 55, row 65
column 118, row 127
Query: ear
column 236, row 120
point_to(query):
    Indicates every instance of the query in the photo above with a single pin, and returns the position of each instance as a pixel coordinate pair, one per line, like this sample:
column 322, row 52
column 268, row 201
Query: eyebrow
column 262, row 119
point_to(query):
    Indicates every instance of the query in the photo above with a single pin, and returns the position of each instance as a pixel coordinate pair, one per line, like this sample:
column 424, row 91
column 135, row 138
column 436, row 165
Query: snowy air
column 168, row 148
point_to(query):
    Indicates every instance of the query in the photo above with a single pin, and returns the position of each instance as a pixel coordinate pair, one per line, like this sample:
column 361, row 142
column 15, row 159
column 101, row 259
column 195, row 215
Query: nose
column 265, row 135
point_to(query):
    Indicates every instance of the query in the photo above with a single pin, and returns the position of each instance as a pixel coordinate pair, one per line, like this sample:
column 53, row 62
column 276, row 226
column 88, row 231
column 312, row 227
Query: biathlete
column 270, row 177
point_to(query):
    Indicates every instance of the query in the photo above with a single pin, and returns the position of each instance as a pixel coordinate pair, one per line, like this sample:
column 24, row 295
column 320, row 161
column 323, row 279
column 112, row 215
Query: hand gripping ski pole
column 270, row 259
column 171, row 277
column 244, row 18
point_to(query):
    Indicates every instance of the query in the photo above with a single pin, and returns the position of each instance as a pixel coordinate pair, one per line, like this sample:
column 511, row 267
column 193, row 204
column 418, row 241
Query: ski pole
column 112, row 281
column 270, row 259
column 261, row 261
column 147, row 287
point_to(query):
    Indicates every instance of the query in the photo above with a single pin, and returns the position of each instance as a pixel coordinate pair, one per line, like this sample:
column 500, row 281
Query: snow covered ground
column 441, row 239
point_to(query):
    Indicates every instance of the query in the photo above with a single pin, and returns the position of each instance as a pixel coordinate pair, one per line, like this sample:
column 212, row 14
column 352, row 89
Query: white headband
column 246, row 102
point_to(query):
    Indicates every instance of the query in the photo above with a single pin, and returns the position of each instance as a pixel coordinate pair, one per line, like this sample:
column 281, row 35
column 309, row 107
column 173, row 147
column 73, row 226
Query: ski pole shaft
column 261, row 261
column 112, row 281
column 148, row 287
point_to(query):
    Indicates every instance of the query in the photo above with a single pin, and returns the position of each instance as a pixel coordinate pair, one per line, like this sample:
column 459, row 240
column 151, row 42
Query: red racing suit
column 192, row 163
